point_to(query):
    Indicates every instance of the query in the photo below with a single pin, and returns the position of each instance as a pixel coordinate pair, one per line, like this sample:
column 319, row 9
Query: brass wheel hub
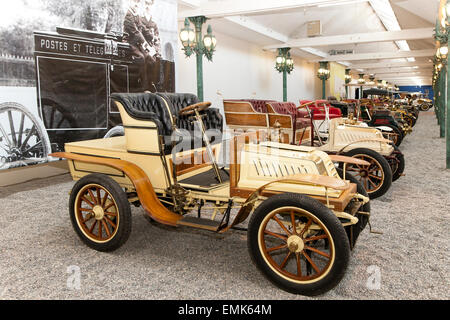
column 99, row 213
column 295, row 244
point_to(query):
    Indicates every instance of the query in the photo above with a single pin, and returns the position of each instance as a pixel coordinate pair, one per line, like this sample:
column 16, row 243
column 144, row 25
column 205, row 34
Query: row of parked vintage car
column 303, row 174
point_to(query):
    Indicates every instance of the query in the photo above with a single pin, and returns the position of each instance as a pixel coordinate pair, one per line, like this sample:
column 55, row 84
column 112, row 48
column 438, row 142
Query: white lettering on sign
column 95, row 50
column 54, row 45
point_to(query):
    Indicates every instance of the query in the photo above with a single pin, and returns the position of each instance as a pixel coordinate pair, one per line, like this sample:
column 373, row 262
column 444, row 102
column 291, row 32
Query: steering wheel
column 191, row 109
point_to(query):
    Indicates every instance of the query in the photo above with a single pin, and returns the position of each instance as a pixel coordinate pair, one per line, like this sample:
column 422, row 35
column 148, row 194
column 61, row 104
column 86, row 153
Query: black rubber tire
column 399, row 134
column 398, row 170
column 425, row 107
column 323, row 214
column 384, row 164
column 355, row 230
column 414, row 120
column 123, row 206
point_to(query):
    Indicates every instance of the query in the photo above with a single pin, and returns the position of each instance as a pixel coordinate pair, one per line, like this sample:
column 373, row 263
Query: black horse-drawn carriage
column 76, row 73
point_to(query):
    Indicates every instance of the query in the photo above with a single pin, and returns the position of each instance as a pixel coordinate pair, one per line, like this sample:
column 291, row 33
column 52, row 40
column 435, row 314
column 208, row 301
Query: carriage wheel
column 298, row 244
column 54, row 116
column 23, row 137
column 375, row 178
column 100, row 212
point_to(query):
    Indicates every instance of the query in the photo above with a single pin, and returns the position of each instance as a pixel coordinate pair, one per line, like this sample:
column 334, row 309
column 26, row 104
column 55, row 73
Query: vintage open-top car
column 312, row 123
column 304, row 219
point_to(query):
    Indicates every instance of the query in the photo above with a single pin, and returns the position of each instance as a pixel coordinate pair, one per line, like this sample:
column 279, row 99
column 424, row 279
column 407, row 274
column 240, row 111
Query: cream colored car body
column 259, row 164
column 260, row 169
column 345, row 135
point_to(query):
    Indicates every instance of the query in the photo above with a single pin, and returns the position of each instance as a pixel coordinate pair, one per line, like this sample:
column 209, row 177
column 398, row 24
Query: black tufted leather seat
column 179, row 101
column 147, row 107
column 154, row 107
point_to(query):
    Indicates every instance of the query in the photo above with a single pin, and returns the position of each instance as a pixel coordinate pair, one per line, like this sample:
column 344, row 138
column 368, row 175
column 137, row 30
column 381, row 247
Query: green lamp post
column 361, row 81
column 285, row 64
column 194, row 43
column 323, row 74
column 440, row 66
column 348, row 79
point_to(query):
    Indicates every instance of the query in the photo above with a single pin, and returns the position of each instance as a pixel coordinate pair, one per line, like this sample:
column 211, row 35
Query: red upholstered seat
column 318, row 109
column 302, row 120
column 288, row 108
column 259, row 105
column 334, row 112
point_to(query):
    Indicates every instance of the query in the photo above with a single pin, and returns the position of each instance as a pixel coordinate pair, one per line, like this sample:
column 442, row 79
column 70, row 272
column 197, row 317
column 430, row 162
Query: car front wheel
column 298, row 244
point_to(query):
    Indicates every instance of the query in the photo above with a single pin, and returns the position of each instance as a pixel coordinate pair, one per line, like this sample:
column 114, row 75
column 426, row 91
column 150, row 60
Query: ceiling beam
column 228, row 8
column 406, row 74
column 255, row 26
column 357, row 38
column 391, row 70
column 261, row 29
column 408, row 79
column 380, row 55
column 383, row 65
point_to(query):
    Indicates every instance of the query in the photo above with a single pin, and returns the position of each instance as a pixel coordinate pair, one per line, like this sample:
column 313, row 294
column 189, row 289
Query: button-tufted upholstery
column 179, row 101
column 288, row 108
column 259, row 105
column 147, row 107
column 155, row 107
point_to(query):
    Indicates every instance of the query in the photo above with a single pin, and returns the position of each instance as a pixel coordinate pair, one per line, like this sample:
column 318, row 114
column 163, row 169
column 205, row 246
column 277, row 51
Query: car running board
column 199, row 223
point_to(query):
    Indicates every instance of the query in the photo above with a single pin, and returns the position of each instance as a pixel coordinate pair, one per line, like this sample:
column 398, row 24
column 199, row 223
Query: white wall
column 243, row 70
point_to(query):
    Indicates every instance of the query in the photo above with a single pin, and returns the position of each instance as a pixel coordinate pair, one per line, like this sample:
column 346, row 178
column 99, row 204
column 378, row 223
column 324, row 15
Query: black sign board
column 81, row 47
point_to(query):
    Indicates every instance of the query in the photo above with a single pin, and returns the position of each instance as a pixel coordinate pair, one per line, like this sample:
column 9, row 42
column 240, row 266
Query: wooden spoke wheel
column 100, row 212
column 288, row 242
column 96, row 213
column 298, row 243
column 375, row 178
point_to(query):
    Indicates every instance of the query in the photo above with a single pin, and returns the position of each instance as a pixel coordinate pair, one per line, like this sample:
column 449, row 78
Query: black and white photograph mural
column 60, row 60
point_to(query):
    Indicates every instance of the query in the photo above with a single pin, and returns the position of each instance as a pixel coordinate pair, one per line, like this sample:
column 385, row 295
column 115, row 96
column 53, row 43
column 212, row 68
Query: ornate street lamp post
column 361, row 81
column 348, row 79
column 441, row 85
column 323, row 74
column 285, row 64
column 440, row 76
column 194, row 42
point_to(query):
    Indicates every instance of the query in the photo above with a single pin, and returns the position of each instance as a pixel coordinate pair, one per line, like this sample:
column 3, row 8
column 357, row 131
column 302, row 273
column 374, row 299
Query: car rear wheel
column 425, row 107
column 397, row 164
column 100, row 212
column 375, row 178
column 353, row 231
column 299, row 244
column 397, row 139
